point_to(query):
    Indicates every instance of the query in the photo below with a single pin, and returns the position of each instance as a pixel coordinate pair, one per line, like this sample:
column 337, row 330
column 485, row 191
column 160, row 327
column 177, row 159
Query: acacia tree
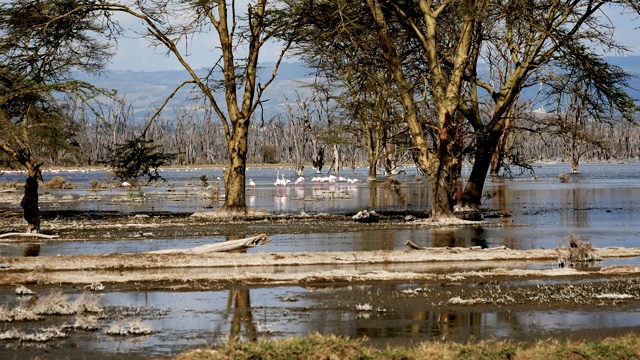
column 584, row 97
column 338, row 42
column 39, row 49
column 453, row 37
column 544, row 39
column 443, row 34
column 171, row 24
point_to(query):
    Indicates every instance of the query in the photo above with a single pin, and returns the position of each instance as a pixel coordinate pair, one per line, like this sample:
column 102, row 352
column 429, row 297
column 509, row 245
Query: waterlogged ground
column 95, row 295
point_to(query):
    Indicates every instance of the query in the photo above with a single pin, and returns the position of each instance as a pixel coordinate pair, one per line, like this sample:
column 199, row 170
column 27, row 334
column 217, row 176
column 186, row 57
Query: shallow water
column 601, row 205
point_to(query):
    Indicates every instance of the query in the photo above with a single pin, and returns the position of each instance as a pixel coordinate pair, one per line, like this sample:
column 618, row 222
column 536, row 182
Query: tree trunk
column 29, row 201
column 442, row 178
column 373, row 171
column 498, row 156
column 472, row 194
column 235, row 175
column 575, row 157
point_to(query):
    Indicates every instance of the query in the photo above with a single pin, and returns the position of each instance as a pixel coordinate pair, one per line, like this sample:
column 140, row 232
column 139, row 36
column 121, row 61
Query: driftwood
column 366, row 216
column 38, row 235
column 413, row 245
column 225, row 246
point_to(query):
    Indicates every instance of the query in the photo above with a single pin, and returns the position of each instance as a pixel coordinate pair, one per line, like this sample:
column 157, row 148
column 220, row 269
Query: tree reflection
column 239, row 304
column 32, row 250
column 373, row 194
column 462, row 237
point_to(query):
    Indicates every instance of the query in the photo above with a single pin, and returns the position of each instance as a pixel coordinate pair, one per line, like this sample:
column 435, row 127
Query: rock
column 365, row 216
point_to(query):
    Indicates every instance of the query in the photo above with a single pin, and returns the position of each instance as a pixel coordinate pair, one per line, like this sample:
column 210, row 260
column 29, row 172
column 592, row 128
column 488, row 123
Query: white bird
column 300, row 180
column 285, row 181
column 278, row 182
column 251, row 183
column 125, row 184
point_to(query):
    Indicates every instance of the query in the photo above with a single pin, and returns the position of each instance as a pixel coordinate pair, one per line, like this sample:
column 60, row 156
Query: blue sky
column 134, row 53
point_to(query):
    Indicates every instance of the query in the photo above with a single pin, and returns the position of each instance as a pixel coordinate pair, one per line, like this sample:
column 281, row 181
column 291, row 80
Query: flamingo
column 279, row 182
column 285, row 181
column 300, row 181
column 251, row 183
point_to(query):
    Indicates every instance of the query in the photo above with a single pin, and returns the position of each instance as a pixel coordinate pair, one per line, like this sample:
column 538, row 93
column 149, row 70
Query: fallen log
column 413, row 245
column 241, row 244
column 38, row 235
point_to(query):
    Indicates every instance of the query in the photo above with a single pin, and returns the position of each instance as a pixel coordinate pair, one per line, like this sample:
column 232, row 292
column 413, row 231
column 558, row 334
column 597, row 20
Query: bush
column 58, row 182
column 137, row 158
column 269, row 154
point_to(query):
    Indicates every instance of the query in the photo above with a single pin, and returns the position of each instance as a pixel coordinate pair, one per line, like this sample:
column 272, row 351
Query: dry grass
column 134, row 328
column 57, row 304
column 87, row 323
column 41, row 335
column 20, row 313
column 22, row 290
column 34, row 308
column 57, row 182
column 9, row 184
column 577, row 251
column 331, row 347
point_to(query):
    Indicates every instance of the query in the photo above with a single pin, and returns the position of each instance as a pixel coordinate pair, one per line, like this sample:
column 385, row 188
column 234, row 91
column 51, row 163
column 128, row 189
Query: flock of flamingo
column 282, row 181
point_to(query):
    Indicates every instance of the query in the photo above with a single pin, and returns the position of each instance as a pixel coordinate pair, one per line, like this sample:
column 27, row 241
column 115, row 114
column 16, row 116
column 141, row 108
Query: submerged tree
column 40, row 47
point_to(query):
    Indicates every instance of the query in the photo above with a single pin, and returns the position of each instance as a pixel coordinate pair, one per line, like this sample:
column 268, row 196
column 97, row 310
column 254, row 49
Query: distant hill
column 144, row 89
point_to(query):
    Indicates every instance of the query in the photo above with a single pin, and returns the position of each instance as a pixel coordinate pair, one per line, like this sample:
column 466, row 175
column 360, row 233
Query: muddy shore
column 430, row 264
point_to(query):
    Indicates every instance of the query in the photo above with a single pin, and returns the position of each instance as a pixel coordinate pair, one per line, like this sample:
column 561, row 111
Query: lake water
column 601, row 205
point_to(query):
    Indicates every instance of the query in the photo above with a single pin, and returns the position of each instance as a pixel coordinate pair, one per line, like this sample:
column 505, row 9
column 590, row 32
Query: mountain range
column 145, row 90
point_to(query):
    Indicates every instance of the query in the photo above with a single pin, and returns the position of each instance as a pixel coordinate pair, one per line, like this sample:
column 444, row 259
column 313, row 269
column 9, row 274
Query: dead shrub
column 59, row 304
column 58, row 182
column 86, row 323
column 577, row 251
column 391, row 183
column 130, row 328
column 97, row 185
column 8, row 184
column 41, row 335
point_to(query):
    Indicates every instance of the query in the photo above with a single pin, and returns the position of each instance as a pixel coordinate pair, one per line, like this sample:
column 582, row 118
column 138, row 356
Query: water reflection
column 239, row 304
column 32, row 250
column 459, row 237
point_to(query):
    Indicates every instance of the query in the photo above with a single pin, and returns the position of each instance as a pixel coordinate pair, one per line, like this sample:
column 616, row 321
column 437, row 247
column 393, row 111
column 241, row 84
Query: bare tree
column 300, row 120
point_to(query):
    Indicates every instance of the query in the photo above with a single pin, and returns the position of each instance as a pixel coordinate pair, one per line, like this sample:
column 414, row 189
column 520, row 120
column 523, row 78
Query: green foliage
column 137, row 158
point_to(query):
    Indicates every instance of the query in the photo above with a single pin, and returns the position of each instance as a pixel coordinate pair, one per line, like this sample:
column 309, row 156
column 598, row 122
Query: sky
column 134, row 53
